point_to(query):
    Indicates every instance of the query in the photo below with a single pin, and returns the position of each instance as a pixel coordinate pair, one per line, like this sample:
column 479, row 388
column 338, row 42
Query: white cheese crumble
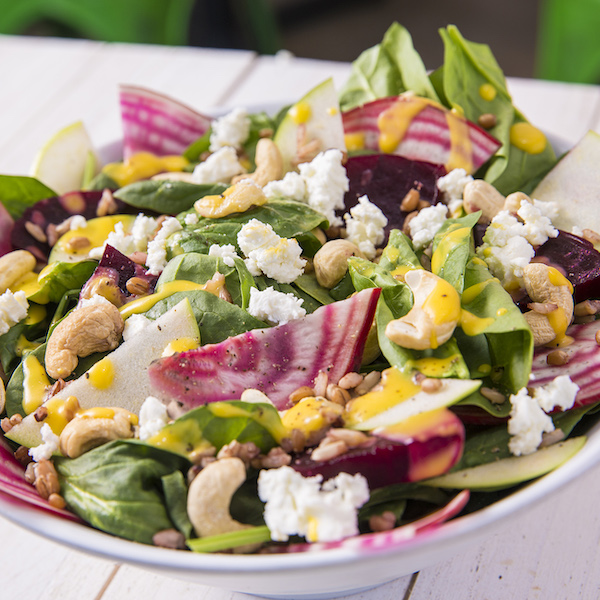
column 191, row 219
column 365, row 226
column 13, row 308
column 93, row 300
column 268, row 253
column 134, row 324
column 297, row 505
column 528, row 419
column 77, row 222
column 326, row 183
column 291, row 186
column 426, row 224
column 157, row 252
column 226, row 252
column 231, row 129
column 274, row 306
column 453, row 184
column 153, row 417
column 50, row 444
column 127, row 243
column 219, row 167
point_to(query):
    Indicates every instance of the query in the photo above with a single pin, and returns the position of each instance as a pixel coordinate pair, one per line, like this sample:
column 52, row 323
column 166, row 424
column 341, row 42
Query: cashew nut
column 89, row 329
column 331, row 261
column 546, row 286
column 481, row 195
column 13, row 266
column 512, row 202
column 209, row 497
column 236, row 198
column 2, row 396
column 269, row 164
column 174, row 176
column 433, row 317
column 84, row 432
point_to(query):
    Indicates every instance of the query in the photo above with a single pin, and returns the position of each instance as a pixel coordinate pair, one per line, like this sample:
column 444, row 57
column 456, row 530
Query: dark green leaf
column 175, row 490
column 18, row 193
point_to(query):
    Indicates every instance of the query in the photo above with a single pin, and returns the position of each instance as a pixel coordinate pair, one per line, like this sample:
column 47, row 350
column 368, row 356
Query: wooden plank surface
column 548, row 552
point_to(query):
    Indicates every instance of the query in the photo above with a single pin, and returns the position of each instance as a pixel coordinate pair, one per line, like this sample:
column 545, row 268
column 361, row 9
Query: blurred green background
column 552, row 39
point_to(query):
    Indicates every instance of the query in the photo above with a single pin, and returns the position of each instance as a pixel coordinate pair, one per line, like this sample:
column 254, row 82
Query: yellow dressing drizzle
column 527, row 138
column 24, row 346
column 163, row 291
column 443, row 303
column 451, row 240
column 354, row 141
column 394, row 122
column 35, row 382
column 461, row 149
column 472, row 324
column 102, row 374
column 180, row 345
column 307, row 416
column 430, row 366
column 35, row 314
column 487, row 91
column 300, row 112
column 143, row 165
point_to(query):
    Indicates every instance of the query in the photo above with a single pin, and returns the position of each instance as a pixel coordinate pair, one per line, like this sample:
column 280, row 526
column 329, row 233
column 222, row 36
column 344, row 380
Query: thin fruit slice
column 63, row 161
column 508, row 472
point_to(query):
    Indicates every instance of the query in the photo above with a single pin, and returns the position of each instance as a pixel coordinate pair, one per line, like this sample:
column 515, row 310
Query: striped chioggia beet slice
column 14, row 484
column 427, row 136
column 156, row 123
column 276, row 360
column 583, row 366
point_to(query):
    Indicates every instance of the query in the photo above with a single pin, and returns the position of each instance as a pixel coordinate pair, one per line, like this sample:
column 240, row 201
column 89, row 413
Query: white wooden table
column 550, row 552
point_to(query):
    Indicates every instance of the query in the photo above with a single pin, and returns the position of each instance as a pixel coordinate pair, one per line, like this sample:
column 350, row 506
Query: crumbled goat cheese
column 153, row 417
column 577, row 231
column 452, row 185
column 291, row 186
column 219, row 167
column 267, row 252
column 127, row 243
column 157, row 252
column 13, row 308
column 274, row 306
column 191, row 219
column 77, row 222
column 365, row 226
column 231, row 129
column 326, row 183
column 134, row 324
column 142, row 230
column 93, row 300
column 297, row 505
column 508, row 243
column 226, row 252
column 528, row 419
column 49, row 445
column 426, row 224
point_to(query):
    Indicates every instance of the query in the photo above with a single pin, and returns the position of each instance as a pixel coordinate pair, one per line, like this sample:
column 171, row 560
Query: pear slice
column 318, row 115
column 573, row 185
column 128, row 385
column 64, row 160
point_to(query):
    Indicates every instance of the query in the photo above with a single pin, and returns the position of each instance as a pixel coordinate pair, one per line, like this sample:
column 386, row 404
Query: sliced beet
column 53, row 211
column 117, row 269
column 6, row 225
column 388, row 461
column 276, row 360
column 386, row 179
column 577, row 259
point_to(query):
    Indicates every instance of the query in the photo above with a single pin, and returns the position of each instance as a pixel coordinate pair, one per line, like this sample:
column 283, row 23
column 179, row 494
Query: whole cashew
column 89, row 329
column 209, row 497
column 553, row 295
column 236, row 198
column 331, row 261
column 434, row 315
column 269, row 164
column 84, row 433
column 481, row 195
column 13, row 266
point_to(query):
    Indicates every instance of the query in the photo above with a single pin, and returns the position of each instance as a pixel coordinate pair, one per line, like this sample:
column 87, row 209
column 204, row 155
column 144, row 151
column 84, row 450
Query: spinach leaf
column 288, row 218
column 217, row 319
column 18, row 193
column 260, row 123
column 168, row 197
column 101, row 182
column 118, row 488
column 387, row 69
column 61, row 277
column 197, row 148
column 219, row 423
column 468, row 66
column 175, row 490
column 200, row 268
column 308, row 284
column 309, row 303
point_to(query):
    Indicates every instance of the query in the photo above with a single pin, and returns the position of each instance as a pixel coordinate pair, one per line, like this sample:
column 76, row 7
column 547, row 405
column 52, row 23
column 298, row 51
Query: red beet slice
column 153, row 122
column 6, row 225
column 427, row 137
column 276, row 360
column 386, row 179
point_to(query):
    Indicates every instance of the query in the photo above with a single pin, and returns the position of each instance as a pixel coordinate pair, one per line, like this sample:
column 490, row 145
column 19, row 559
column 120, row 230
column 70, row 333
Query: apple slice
column 573, row 185
column 316, row 117
column 130, row 384
column 508, row 472
column 64, row 160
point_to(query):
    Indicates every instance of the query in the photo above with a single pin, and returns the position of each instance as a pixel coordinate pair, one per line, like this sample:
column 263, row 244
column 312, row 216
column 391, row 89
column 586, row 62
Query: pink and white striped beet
column 276, row 360
column 155, row 123
column 427, row 137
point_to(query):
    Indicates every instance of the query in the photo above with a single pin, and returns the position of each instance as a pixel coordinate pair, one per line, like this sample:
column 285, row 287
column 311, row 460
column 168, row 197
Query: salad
column 375, row 309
